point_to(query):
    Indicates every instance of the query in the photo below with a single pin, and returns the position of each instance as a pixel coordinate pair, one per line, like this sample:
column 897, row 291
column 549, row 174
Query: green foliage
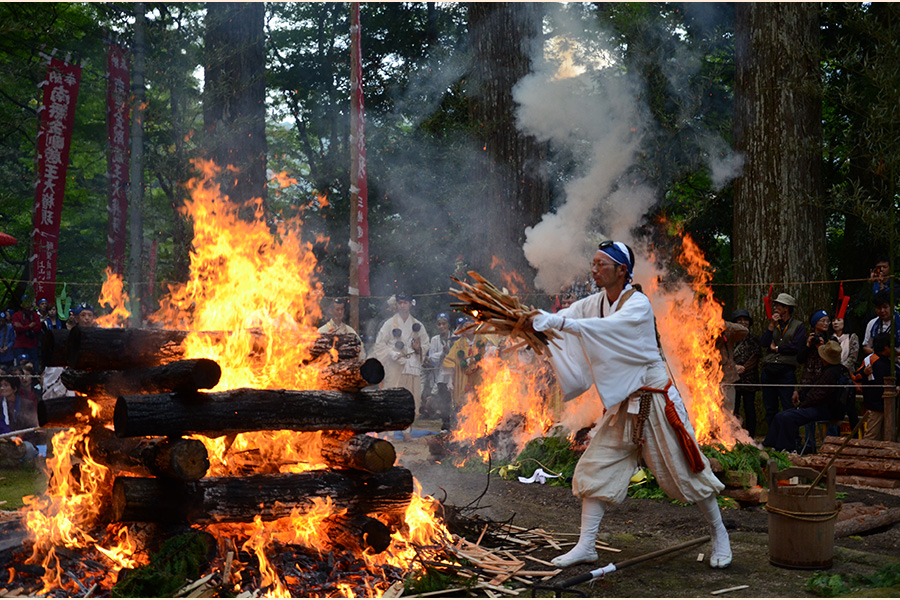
column 832, row 585
column 648, row 488
column 554, row 454
column 179, row 561
column 430, row 579
column 746, row 458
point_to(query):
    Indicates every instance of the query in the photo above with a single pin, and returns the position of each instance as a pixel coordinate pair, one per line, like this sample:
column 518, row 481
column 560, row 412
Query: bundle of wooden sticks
column 499, row 312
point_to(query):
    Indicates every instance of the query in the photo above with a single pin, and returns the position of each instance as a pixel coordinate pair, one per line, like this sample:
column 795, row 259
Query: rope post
column 890, row 409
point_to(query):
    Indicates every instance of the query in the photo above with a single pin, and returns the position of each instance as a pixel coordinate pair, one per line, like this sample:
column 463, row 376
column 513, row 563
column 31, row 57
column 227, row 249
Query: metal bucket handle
column 802, row 472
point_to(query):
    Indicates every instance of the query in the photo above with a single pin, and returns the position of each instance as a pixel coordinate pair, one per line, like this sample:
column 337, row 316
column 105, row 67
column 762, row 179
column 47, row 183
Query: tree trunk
column 503, row 36
column 779, row 225
column 361, row 452
column 179, row 376
column 234, row 102
column 241, row 410
column 240, row 499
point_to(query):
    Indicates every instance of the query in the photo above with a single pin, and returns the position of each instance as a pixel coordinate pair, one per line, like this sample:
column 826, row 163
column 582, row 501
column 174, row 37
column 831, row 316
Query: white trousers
column 605, row 469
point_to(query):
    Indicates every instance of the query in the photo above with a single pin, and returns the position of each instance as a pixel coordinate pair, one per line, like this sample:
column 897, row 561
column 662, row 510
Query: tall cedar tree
column 778, row 220
column 234, row 99
column 515, row 194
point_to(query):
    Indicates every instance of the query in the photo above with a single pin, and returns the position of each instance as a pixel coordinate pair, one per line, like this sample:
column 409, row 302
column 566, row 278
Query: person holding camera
column 782, row 339
column 401, row 346
column 809, row 357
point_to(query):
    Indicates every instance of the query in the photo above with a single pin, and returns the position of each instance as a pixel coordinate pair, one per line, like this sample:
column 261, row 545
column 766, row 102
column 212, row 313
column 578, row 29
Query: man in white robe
column 609, row 341
column 402, row 346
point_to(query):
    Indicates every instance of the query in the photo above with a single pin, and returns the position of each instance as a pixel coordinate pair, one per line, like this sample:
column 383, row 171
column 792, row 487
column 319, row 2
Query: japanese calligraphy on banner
column 117, row 122
column 362, row 212
column 57, row 115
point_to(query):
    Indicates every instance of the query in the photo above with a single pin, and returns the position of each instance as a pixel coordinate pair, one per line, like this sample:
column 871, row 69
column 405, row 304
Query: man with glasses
column 609, row 341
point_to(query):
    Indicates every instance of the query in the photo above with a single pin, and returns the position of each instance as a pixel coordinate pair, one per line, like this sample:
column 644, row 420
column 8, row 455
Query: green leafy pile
column 178, row 562
column 832, row 585
column 746, row 458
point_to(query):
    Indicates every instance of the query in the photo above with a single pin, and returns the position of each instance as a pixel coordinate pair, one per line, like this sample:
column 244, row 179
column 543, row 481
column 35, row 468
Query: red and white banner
column 362, row 211
column 57, row 116
column 117, row 112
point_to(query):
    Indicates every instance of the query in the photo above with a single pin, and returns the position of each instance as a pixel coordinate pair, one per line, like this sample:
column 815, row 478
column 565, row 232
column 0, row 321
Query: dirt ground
column 641, row 526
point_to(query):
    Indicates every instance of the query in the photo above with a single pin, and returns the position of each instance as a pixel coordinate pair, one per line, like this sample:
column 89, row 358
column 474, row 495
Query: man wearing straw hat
column 823, row 403
column 609, row 341
column 781, row 341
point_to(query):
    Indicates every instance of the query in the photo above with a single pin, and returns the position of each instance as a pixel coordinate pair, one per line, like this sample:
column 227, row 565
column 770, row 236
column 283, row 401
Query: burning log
column 185, row 460
column 245, row 409
column 53, row 347
column 359, row 534
column 240, row 499
column 347, row 345
column 181, row 375
column 63, row 411
column 361, row 452
column 96, row 348
column 351, row 375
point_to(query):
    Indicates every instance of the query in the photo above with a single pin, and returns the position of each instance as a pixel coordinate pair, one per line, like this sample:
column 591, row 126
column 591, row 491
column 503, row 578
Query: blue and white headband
column 620, row 254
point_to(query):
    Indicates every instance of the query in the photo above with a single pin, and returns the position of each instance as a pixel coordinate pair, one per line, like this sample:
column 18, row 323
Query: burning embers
column 274, row 463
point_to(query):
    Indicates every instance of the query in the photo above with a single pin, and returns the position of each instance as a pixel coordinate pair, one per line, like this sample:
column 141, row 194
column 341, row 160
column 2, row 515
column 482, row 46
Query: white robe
column 614, row 348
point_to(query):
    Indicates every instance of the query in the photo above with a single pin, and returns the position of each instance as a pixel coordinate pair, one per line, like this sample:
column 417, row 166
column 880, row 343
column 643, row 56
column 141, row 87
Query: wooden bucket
column 801, row 527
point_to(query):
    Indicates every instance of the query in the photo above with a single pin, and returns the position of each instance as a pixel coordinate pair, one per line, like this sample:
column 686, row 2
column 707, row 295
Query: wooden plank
column 876, row 482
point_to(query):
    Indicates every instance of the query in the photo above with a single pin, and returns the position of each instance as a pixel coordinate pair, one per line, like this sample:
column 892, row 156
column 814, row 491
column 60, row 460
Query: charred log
column 361, row 452
column 244, row 409
column 96, row 348
column 359, row 534
column 347, row 345
column 185, row 460
column 53, row 347
column 63, row 411
column 240, row 499
column 351, row 375
column 179, row 376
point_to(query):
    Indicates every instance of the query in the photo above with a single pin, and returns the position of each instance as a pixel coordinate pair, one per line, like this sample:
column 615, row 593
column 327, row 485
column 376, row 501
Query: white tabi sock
column 721, row 546
column 584, row 551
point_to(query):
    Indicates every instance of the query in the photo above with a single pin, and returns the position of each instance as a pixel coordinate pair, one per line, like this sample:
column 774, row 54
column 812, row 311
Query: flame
column 251, row 303
column 283, row 179
column 513, row 281
column 689, row 321
column 509, row 388
column 113, row 297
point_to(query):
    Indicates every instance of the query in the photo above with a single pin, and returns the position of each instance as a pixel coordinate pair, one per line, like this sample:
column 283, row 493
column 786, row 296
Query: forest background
column 767, row 132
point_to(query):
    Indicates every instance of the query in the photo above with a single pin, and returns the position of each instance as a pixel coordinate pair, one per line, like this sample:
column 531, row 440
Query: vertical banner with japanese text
column 57, row 117
column 362, row 214
column 117, row 174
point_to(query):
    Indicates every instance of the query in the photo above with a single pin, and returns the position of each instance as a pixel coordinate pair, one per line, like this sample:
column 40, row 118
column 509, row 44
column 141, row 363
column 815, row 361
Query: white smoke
column 588, row 109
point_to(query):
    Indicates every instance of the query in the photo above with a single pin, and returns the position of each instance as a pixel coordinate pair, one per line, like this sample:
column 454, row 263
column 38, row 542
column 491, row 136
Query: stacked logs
column 151, row 396
column 870, row 463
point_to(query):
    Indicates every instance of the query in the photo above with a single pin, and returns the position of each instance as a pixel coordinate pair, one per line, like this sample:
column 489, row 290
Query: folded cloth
column 539, row 476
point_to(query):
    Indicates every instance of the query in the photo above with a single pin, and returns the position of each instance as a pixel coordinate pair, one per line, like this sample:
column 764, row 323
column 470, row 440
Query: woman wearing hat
column 814, row 403
column 746, row 358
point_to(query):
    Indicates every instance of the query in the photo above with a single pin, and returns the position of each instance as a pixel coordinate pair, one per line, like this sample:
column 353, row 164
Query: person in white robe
column 402, row 345
column 609, row 342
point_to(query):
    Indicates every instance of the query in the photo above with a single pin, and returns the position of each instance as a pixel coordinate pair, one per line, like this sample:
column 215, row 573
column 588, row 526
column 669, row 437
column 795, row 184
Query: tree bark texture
column 234, row 99
column 503, row 36
column 63, row 411
column 96, row 348
column 351, row 375
column 779, row 225
column 359, row 533
column 868, row 467
column 185, row 460
column 239, row 499
column 361, row 452
column 178, row 376
column 242, row 410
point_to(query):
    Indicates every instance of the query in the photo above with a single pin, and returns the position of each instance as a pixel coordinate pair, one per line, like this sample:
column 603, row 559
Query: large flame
column 252, row 304
column 689, row 321
column 113, row 297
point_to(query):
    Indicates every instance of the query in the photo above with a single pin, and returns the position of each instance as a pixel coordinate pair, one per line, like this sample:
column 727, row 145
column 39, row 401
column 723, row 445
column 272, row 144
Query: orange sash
column 688, row 444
